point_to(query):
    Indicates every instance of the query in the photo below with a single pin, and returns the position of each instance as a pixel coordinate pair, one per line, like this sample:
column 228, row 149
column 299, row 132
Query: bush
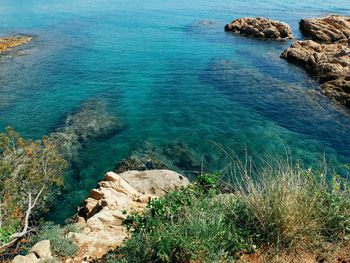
column 61, row 244
column 285, row 208
column 29, row 172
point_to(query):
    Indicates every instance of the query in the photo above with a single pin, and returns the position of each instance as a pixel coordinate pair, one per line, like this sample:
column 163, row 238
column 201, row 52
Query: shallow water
column 171, row 76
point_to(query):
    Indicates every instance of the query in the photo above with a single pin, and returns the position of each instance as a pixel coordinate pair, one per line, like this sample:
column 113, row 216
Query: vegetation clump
column 30, row 171
column 62, row 242
column 282, row 208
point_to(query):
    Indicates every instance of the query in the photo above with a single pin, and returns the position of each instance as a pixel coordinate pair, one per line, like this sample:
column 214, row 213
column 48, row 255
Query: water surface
column 172, row 77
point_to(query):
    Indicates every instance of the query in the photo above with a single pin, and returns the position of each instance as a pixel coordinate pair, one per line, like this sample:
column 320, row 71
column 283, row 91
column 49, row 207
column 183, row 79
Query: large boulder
column 260, row 27
column 327, row 29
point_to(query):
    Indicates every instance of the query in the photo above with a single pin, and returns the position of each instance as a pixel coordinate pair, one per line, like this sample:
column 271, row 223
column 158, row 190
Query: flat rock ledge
column 101, row 215
column 260, row 27
column 10, row 42
column 327, row 29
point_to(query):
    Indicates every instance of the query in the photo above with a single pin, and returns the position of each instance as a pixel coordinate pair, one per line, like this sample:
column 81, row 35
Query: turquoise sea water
column 171, row 76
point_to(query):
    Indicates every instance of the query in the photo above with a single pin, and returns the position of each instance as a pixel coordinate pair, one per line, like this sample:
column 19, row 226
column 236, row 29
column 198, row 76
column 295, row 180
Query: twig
column 25, row 230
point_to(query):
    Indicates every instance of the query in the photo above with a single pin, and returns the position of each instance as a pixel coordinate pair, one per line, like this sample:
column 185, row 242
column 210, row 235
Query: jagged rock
column 102, row 215
column 42, row 249
column 339, row 89
column 327, row 29
column 9, row 42
column 260, row 27
column 327, row 61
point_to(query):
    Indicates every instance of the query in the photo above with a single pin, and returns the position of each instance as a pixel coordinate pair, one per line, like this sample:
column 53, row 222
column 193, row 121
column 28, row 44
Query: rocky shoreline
column 10, row 42
column 326, row 56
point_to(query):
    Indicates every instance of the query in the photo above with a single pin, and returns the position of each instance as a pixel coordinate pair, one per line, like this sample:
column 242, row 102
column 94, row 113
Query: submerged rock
column 327, row 29
column 89, row 122
column 260, row 28
column 174, row 155
column 9, row 42
column 182, row 156
column 102, row 213
column 146, row 162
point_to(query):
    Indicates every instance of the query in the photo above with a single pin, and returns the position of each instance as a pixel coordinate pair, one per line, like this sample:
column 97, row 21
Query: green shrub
column 285, row 207
column 61, row 244
column 29, row 172
column 190, row 223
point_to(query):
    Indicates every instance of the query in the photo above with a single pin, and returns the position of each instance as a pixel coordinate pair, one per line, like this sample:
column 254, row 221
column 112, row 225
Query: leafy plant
column 29, row 172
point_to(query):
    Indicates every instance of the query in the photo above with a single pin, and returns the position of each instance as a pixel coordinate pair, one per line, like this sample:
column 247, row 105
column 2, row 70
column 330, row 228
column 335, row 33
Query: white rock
column 42, row 249
column 31, row 258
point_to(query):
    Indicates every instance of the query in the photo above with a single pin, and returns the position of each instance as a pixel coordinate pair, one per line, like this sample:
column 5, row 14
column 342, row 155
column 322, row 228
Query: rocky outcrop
column 327, row 29
column 329, row 61
column 10, row 42
column 102, row 213
column 339, row 89
column 260, row 27
column 40, row 252
column 326, row 61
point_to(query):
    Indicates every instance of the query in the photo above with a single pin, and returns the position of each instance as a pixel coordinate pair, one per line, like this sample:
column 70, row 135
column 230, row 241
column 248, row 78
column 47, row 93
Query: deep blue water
column 171, row 76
